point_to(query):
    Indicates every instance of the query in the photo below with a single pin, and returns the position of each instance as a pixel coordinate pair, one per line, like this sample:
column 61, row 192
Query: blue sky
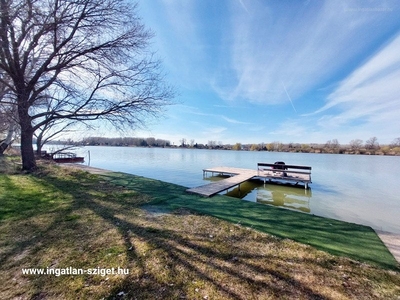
column 255, row 71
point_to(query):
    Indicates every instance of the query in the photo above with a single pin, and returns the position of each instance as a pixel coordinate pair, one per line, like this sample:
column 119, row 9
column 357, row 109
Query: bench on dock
column 281, row 171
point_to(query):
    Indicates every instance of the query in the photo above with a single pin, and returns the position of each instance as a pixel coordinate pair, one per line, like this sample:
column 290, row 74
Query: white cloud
column 214, row 133
column 370, row 95
column 311, row 47
column 196, row 111
column 301, row 47
column 233, row 121
column 373, row 83
column 291, row 129
column 244, row 6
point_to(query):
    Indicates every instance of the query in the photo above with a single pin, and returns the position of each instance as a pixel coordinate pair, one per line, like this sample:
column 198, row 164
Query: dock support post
column 306, row 185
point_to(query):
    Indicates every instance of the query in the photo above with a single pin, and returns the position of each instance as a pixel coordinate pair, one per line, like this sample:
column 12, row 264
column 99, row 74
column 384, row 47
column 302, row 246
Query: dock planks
column 238, row 176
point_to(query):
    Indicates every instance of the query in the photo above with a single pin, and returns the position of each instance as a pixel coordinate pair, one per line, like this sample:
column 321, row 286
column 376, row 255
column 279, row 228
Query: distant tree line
column 356, row 146
column 124, row 141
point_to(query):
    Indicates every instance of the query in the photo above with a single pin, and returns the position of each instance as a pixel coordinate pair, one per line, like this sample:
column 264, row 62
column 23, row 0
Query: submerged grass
column 60, row 217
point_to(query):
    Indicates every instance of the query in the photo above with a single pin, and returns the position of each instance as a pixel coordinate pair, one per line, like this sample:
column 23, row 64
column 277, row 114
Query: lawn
column 336, row 237
column 175, row 245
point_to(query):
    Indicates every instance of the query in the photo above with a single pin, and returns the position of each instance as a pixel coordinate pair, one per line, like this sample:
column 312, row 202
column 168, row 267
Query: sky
column 259, row 71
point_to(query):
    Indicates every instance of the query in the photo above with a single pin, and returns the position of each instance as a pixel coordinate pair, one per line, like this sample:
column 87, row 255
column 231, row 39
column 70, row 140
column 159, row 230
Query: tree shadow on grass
column 336, row 237
column 198, row 260
column 179, row 266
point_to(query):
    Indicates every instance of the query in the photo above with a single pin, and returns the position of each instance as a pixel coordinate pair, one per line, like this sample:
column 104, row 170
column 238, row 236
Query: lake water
column 354, row 188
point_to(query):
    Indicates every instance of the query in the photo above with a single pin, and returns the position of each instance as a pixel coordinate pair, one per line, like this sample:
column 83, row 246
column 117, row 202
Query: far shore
column 330, row 147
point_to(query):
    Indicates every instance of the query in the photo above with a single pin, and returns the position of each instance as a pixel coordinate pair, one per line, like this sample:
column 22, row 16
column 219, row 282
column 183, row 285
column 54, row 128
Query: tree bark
column 27, row 154
column 4, row 144
column 39, row 144
column 3, row 147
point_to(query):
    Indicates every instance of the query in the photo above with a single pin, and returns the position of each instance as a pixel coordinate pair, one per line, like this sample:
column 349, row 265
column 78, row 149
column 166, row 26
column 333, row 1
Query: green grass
column 59, row 217
column 336, row 237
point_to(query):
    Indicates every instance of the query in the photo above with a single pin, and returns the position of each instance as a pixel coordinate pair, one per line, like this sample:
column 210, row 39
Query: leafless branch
column 90, row 55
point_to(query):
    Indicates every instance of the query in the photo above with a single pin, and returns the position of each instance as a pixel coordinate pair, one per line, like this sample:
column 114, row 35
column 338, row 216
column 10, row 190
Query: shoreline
column 172, row 244
column 390, row 240
column 384, row 150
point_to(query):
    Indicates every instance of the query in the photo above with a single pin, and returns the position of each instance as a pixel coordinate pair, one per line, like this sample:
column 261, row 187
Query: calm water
column 358, row 189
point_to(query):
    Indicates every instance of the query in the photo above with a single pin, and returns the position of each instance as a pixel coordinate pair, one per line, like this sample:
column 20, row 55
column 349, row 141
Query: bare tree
column 6, row 125
column 50, row 131
column 372, row 143
column 335, row 144
column 8, row 122
column 211, row 144
column 356, row 144
column 7, row 130
column 395, row 142
column 90, row 55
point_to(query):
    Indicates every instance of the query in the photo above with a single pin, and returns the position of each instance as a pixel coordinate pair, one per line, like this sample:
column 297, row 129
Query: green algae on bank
column 58, row 218
column 336, row 237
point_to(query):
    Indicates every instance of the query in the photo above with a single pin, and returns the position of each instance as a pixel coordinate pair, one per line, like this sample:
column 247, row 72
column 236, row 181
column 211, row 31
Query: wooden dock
column 237, row 177
column 285, row 173
column 263, row 172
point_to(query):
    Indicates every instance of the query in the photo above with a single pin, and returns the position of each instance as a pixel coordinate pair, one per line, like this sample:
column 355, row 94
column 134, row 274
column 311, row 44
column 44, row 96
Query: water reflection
column 360, row 189
column 277, row 194
column 296, row 198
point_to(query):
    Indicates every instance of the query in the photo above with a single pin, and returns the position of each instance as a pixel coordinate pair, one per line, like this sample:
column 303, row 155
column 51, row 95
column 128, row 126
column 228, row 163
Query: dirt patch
column 89, row 169
column 155, row 211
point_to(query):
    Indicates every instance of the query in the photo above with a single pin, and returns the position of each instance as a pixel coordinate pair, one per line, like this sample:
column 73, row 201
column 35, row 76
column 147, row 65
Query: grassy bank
column 171, row 244
column 336, row 237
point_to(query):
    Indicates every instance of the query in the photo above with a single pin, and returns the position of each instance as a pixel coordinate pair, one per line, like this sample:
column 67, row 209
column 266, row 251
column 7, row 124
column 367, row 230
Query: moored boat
column 67, row 157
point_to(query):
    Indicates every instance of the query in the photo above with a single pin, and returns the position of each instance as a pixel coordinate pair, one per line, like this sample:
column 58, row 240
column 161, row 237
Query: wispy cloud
column 214, row 130
column 290, row 129
column 196, row 111
column 324, row 57
column 290, row 99
column 364, row 104
column 214, row 133
column 183, row 47
column 244, row 6
column 303, row 47
column 371, row 94
column 233, row 121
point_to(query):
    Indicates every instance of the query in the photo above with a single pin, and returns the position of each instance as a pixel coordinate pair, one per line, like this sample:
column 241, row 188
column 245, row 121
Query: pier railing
column 285, row 172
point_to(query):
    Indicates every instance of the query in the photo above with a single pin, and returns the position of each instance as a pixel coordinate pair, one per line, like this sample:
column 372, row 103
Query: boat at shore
column 67, row 157
column 63, row 157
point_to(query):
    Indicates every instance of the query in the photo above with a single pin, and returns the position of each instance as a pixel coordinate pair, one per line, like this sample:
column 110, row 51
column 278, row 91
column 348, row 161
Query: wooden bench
column 284, row 172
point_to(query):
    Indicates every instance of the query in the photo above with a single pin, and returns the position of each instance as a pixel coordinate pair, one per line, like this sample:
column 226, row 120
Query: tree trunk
column 7, row 142
column 3, row 147
column 27, row 154
column 39, row 145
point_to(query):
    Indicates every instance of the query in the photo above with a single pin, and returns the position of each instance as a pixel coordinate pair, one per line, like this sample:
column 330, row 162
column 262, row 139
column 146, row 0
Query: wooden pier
column 292, row 173
column 264, row 172
column 237, row 177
